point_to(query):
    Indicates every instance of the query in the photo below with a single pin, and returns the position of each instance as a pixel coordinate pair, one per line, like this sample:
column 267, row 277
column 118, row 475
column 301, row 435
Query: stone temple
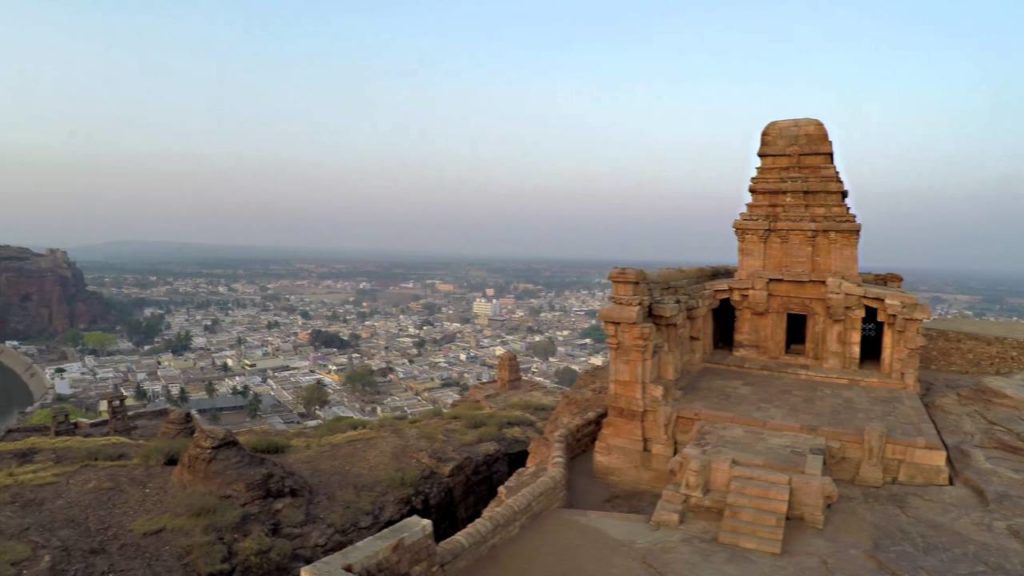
column 751, row 390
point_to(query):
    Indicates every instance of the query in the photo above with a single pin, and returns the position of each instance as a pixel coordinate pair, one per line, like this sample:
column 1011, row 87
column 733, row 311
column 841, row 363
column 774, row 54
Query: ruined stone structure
column 60, row 422
column 117, row 413
column 748, row 390
column 509, row 376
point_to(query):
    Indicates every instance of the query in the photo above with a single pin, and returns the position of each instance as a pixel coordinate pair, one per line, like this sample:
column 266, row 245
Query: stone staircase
column 755, row 509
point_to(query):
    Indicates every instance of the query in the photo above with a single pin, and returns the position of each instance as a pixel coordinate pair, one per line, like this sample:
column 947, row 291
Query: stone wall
column 968, row 353
column 407, row 548
column 530, row 492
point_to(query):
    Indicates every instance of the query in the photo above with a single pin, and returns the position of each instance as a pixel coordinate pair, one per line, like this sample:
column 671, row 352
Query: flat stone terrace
column 804, row 405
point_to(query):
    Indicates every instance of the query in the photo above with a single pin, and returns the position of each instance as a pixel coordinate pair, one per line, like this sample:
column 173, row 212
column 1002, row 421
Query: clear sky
column 576, row 129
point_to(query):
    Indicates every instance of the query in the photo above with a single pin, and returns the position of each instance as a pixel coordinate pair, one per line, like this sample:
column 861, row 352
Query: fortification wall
column 969, row 353
column 32, row 375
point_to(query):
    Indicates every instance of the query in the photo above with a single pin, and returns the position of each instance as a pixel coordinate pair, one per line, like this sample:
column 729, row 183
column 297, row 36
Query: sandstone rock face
column 177, row 424
column 216, row 461
column 966, row 353
column 43, row 294
column 509, row 375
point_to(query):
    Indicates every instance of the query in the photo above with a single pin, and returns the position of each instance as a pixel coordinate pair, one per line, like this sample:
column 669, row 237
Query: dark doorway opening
column 723, row 322
column 796, row 333
column 871, row 333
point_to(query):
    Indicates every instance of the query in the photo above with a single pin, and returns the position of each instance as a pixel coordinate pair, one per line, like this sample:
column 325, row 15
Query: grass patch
column 267, row 444
column 536, row 407
column 498, row 418
column 163, row 451
column 41, row 473
column 336, row 439
column 12, row 553
column 44, row 416
column 340, row 425
column 198, row 513
column 63, row 442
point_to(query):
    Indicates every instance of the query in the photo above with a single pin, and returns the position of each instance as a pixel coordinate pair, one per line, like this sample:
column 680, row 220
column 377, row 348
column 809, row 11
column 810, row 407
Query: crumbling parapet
column 405, row 549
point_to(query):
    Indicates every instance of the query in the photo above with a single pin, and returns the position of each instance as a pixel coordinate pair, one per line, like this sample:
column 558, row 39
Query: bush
column 267, row 444
column 259, row 554
column 164, row 452
column 340, row 425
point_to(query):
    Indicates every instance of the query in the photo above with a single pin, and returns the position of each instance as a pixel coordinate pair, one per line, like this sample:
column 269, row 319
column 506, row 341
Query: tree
column 73, row 338
column 180, row 343
column 182, row 396
column 211, row 389
column 225, row 367
column 305, row 314
column 327, row 339
column 566, row 376
column 362, row 379
column 314, row 396
column 143, row 332
column 234, row 390
column 253, row 406
column 246, row 391
column 595, row 333
column 101, row 342
column 542, row 349
column 140, row 393
column 334, row 316
column 431, row 308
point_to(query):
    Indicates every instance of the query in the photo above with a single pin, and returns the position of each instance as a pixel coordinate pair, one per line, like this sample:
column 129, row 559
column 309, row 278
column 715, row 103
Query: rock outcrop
column 44, row 294
column 177, row 424
column 217, row 462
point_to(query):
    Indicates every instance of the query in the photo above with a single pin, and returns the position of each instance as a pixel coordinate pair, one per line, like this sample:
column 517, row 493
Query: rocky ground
column 212, row 505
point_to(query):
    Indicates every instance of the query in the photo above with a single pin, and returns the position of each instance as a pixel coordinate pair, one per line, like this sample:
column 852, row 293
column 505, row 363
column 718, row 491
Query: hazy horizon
column 579, row 131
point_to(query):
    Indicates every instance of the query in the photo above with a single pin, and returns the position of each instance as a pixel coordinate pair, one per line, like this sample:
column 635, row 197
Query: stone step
column 757, row 503
column 750, row 542
column 755, row 516
column 759, row 489
column 760, row 474
column 759, row 530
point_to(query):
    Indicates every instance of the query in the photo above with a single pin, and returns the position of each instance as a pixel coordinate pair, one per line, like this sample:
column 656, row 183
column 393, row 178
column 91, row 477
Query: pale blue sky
column 620, row 130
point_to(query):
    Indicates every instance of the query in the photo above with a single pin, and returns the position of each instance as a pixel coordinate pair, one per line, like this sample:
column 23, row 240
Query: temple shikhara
column 749, row 390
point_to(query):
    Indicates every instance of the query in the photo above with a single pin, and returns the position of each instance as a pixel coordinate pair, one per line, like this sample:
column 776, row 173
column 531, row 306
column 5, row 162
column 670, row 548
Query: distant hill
column 159, row 252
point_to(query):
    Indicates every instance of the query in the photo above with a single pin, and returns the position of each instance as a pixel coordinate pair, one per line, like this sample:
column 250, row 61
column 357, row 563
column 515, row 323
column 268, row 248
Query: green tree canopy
column 314, row 396
column 362, row 378
column 595, row 333
column 566, row 376
column 99, row 341
column 542, row 349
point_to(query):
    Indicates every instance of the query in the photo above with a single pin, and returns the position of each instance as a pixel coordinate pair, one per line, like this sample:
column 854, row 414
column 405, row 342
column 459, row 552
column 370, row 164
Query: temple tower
column 797, row 223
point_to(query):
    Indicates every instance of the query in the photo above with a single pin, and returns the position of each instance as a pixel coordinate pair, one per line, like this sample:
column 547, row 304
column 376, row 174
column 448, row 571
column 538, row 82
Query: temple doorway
column 871, row 333
column 796, row 333
column 723, row 322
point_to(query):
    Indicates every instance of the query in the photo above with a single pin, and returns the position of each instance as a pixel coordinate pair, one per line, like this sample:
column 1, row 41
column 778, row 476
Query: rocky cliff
column 43, row 294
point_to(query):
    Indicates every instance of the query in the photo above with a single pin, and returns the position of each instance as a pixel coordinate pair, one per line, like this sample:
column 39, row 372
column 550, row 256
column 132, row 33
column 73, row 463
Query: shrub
column 164, row 452
column 267, row 444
